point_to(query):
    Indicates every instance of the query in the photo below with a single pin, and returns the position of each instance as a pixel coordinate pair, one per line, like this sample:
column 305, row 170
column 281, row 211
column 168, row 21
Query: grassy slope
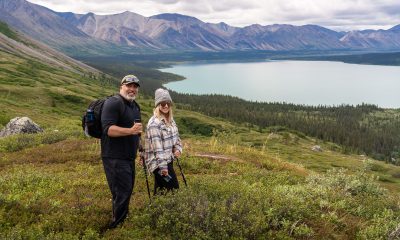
column 42, row 91
column 242, row 184
column 65, row 195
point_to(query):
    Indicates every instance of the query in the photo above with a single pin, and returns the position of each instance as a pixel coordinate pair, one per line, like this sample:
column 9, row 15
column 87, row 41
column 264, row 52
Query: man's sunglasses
column 163, row 104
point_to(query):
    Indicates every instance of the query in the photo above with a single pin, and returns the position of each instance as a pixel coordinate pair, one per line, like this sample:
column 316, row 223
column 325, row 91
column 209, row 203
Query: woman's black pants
column 159, row 182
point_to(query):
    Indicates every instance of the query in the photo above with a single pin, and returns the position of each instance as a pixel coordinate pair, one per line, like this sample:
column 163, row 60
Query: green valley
column 245, row 180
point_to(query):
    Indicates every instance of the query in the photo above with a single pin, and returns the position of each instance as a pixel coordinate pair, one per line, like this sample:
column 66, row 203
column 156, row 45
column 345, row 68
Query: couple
column 121, row 123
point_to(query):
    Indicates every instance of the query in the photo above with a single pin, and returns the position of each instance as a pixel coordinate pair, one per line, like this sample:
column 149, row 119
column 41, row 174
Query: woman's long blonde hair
column 158, row 114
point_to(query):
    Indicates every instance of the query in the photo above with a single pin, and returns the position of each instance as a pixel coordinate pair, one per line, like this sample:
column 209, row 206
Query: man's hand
column 115, row 131
column 136, row 129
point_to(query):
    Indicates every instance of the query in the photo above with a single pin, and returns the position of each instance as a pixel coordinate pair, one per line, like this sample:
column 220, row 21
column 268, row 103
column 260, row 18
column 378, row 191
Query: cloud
column 336, row 14
column 166, row 1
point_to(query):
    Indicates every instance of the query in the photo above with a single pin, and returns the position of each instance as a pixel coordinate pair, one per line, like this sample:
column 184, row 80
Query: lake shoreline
column 310, row 64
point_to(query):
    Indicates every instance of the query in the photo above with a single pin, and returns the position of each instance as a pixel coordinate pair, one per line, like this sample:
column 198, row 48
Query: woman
column 162, row 143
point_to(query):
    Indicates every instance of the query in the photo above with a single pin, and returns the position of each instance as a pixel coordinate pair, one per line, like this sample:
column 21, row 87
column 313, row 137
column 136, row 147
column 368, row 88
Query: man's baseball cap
column 128, row 79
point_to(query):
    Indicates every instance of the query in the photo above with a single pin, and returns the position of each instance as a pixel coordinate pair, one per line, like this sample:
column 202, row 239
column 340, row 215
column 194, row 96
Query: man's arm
column 109, row 119
column 115, row 131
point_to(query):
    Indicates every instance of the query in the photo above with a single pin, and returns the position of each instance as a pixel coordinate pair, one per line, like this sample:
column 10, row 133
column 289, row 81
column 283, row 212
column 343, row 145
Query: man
column 120, row 120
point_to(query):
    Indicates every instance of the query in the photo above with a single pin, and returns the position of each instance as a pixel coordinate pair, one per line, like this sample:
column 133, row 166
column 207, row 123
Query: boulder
column 20, row 125
column 316, row 148
column 395, row 234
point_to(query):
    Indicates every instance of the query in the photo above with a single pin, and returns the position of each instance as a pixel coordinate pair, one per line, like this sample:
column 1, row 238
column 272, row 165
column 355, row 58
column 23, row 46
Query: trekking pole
column 180, row 168
column 141, row 152
column 145, row 171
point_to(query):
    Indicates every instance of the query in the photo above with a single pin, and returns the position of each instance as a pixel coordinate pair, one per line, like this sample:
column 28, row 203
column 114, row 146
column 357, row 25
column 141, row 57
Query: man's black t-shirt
column 122, row 113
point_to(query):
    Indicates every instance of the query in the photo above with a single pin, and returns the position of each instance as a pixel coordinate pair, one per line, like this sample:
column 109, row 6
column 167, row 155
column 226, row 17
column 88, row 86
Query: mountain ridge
column 132, row 32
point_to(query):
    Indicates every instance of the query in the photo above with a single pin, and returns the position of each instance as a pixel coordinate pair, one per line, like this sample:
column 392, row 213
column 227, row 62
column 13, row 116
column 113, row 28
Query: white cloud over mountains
column 334, row 14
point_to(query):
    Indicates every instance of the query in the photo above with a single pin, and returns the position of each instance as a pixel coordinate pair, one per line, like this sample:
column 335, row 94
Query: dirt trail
column 221, row 158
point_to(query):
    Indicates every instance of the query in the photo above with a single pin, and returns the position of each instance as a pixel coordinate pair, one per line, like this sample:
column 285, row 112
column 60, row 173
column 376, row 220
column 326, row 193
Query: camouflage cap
column 128, row 79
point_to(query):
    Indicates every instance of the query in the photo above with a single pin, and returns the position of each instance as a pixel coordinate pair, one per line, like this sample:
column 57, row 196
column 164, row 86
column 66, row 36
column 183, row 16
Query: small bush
column 396, row 174
column 218, row 211
column 74, row 99
column 4, row 119
column 354, row 184
column 21, row 141
column 194, row 126
column 17, row 142
column 381, row 226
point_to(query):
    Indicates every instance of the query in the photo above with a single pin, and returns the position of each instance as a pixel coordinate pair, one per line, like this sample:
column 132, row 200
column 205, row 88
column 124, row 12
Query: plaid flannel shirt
column 160, row 144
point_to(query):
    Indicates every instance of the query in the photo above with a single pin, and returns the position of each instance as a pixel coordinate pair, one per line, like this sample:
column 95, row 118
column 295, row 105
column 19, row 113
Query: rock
column 316, row 148
column 274, row 136
column 20, row 125
column 395, row 234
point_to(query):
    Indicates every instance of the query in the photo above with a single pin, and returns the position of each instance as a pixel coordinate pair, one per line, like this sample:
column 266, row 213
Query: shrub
column 74, row 99
column 381, row 226
column 354, row 184
column 4, row 119
column 218, row 211
column 194, row 126
column 21, row 141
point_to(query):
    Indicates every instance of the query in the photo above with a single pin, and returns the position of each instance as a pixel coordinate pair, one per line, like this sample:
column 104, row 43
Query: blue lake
column 300, row 82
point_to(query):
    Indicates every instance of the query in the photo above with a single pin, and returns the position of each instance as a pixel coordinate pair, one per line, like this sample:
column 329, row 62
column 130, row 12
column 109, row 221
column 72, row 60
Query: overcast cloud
column 333, row 14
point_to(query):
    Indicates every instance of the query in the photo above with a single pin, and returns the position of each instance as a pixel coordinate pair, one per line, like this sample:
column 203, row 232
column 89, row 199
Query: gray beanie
column 161, row 95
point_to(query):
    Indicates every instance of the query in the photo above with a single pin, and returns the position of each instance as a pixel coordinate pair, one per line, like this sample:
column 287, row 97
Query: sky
column 339, row 15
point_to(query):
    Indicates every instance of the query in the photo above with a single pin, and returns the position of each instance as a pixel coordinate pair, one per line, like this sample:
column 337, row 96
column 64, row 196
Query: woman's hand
column 164, row 172
column 177, row 153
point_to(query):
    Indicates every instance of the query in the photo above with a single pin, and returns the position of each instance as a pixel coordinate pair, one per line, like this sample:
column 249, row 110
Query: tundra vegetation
column 245, row 181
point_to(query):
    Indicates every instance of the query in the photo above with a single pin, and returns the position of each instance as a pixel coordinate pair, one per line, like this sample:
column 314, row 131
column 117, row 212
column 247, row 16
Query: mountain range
column 130, row 32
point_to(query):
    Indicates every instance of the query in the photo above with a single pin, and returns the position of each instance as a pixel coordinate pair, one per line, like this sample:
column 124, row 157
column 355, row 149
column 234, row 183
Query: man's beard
column 129, row 98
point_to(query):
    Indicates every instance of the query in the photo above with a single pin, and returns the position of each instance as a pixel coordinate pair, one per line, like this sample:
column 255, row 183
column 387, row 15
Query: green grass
column 258, row 185
column 46, row 94
column 246, row 193
column 4, row 29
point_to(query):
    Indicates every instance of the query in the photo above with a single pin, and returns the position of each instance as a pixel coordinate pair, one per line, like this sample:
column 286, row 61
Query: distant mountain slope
column 42, row 83
column 30, row 48
column 46, row 26
column 370, row 39
column 125, row 29
column 175, row 31
column 127, row 32
column 287, row 37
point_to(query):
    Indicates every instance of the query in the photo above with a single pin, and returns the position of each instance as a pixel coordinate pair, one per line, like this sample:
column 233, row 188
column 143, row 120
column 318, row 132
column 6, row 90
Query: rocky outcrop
column 316, row 148
column 20, row 125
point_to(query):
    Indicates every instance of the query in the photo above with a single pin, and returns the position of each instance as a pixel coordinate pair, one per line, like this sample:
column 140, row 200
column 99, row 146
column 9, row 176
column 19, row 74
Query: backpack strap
column 122, row 101
column 124, row 105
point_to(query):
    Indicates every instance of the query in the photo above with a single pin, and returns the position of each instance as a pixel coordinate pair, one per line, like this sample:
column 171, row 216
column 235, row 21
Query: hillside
column 280, row 189
column 36, row 80
column 46, row 26
column 243, row 182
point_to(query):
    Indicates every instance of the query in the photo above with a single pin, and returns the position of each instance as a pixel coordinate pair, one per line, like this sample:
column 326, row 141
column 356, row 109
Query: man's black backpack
column 91, row 120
